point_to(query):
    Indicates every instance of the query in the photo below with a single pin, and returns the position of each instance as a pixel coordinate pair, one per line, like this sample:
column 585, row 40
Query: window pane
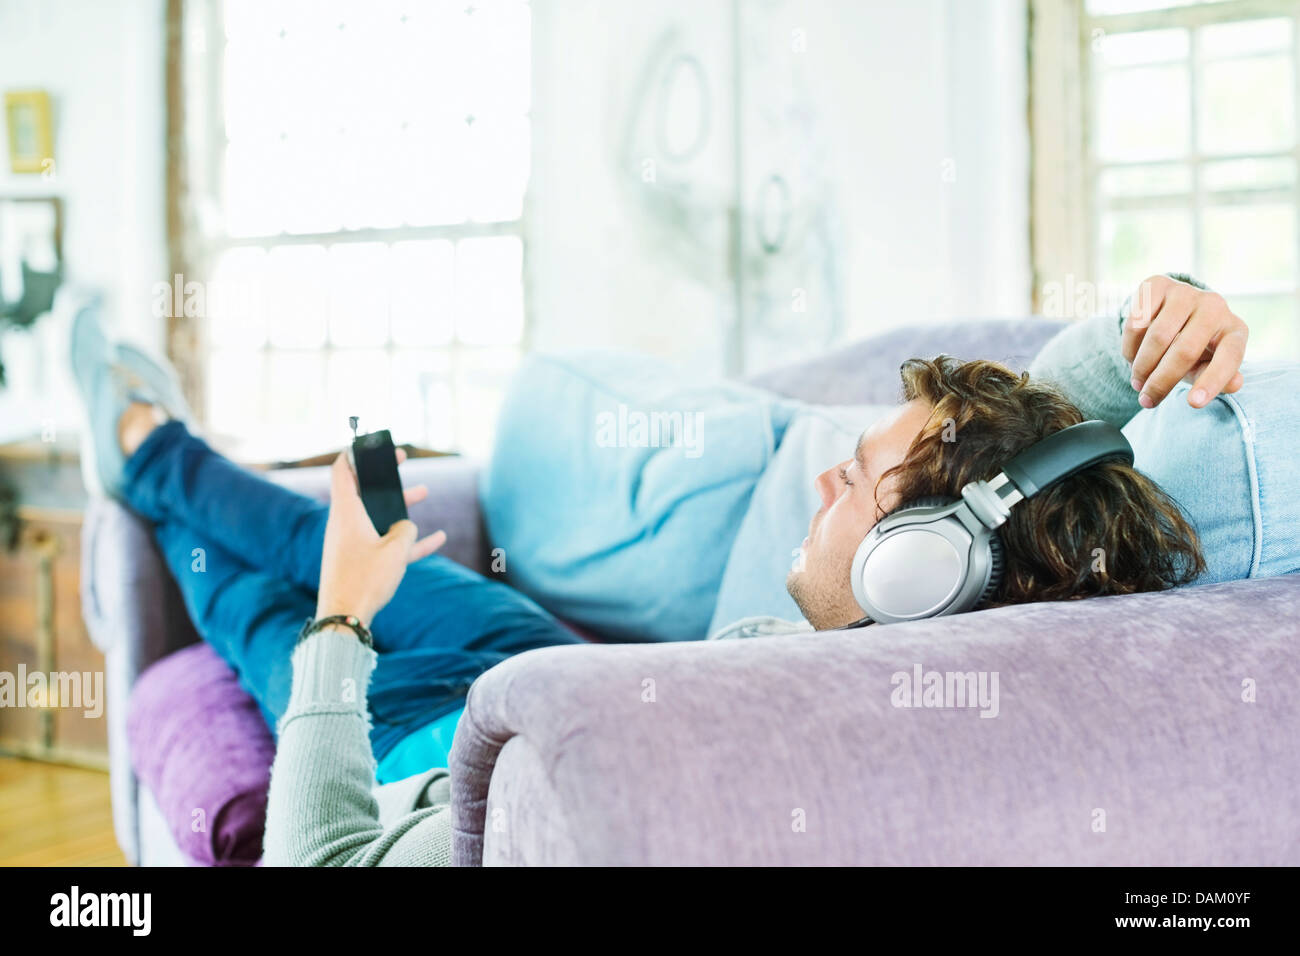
column 1248, row 174
column 431, row 165
column 426, row 125
column 236, row 380
column 297, row 301
column 495, row 174
column 489, row 290
column 245, row 18
column 365, row 193
column 313, row 180
column 1101, row 7
column 253, row 108
column 1142, row 113
column 234, row 300
column 423, row 409
column 255, row 187
column 292, row 410
column 1137, row 244
column 1274, row 327
column 481, row 379
column 1147, row 46
column 359, row 284
column 495, row 58
column 1244, row 37
column 458, row 170
column 360, row 384
column 1163, row 180
column 1247, row 105
column 423, row 292
column 1249, row 246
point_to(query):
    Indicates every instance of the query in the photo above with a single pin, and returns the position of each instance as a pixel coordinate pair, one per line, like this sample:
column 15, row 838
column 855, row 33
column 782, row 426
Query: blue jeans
column 246, row 554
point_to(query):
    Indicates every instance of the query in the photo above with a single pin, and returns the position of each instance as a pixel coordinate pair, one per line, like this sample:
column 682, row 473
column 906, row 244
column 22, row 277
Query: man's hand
column 1177, row 332
column 360, row 570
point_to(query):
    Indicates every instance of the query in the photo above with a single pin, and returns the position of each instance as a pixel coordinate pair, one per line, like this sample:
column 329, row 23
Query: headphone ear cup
column 861, row 576
column 997, row 566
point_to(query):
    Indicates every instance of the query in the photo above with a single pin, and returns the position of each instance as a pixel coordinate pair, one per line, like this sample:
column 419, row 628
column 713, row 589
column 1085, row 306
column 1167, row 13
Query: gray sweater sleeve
column 1085, row 362
column 323, row 808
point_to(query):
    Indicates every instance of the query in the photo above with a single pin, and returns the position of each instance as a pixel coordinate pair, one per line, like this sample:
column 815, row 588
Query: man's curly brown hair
column 989, row 414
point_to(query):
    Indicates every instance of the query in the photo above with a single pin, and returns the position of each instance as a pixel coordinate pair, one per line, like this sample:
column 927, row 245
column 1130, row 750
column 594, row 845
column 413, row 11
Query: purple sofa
column 1152, row 729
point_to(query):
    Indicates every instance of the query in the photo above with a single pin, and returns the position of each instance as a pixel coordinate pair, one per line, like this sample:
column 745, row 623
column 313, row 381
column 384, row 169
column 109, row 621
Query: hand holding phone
column 361, row 570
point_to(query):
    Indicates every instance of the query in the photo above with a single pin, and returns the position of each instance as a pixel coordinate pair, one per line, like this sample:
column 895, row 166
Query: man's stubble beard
column 825, row 607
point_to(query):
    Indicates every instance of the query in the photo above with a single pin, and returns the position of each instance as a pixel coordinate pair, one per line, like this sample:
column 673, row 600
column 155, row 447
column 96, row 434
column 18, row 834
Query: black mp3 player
column 375, row 460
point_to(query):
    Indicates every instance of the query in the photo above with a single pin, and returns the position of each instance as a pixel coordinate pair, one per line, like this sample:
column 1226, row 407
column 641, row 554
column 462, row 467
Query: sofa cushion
column 199, row 743
column 609, row 514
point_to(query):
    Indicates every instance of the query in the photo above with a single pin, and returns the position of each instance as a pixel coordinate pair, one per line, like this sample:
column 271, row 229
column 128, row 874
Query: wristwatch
column 343, row 620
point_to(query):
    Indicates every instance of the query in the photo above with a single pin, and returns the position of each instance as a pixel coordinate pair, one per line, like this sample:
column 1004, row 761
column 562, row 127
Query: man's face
column 819, row 582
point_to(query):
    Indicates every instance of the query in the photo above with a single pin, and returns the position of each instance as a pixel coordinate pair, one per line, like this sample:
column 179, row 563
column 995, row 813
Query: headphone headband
column 1060, row 455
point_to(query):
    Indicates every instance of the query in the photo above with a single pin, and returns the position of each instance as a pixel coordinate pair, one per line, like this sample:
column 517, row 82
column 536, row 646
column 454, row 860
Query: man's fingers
column 401, row 455
column 1165, row 328
column 1143, row 308
column 1221, row 373
column 1188, row 349
column 401, row 533
column 415, row 494
column 1238, row 381
column 426, row 546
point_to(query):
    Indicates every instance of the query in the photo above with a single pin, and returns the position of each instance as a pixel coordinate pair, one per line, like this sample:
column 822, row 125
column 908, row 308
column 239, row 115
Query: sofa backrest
column 866, row 372
column 1150, row 729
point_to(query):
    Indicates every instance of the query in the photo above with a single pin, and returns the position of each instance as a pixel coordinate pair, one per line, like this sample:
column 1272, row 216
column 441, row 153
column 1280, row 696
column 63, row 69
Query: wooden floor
column 55, row 816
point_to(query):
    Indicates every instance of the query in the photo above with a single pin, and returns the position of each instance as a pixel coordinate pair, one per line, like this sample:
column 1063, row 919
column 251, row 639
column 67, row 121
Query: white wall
column 102, row 63
column 920, row 117
column 599, row 273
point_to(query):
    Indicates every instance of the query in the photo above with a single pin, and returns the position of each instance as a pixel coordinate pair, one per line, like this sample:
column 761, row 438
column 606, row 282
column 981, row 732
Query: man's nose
column 825, row 485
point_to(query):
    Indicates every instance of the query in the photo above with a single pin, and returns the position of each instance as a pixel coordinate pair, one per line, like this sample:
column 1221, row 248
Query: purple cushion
column 199, row 743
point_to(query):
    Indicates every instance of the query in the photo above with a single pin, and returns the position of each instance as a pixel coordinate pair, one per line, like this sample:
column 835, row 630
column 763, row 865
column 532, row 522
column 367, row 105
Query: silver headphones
column 939, row 556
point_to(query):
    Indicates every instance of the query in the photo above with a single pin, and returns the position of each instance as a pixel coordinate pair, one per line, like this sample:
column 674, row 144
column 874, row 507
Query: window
column 1189, row 152
column 359, row 194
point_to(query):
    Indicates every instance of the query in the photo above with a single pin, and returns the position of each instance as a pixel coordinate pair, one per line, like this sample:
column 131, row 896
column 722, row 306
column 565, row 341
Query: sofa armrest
column 1121, row 737
column 135, row 615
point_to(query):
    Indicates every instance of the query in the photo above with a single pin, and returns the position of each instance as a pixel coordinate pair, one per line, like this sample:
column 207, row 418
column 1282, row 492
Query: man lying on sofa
column 341, row 699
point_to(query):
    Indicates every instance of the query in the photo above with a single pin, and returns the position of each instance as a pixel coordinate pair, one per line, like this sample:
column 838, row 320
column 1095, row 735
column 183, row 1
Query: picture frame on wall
column 30, row 127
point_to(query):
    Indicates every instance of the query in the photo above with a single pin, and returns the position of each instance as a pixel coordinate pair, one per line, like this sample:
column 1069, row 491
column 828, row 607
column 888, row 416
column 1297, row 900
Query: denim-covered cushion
column 617, row 485
column 783, row 504
column 1234, row 469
